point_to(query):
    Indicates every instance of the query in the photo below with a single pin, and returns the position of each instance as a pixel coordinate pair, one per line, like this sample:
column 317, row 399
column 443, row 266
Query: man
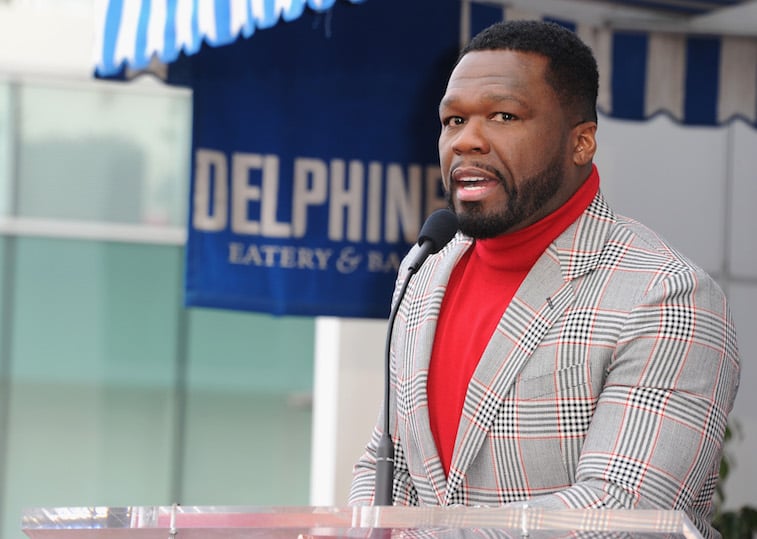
column 553, row 352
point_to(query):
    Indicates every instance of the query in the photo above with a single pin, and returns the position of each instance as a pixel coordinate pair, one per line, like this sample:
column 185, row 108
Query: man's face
column 505, row 144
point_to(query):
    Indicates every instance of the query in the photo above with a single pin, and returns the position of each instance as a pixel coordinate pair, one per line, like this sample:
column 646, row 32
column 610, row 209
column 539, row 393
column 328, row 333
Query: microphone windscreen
column 439, row 229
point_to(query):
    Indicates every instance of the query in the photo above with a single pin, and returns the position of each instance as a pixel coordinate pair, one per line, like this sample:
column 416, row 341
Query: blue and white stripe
column 133, row 32
column 695, row 79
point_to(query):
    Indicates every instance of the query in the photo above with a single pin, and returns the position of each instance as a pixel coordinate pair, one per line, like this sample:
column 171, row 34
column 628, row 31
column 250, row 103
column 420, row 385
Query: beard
column 522, row 202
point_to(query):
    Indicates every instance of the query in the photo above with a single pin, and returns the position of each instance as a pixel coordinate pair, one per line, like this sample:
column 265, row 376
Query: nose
column 470, row 137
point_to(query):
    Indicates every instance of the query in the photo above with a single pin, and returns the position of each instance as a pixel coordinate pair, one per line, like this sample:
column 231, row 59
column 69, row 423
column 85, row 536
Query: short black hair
column 572, row 69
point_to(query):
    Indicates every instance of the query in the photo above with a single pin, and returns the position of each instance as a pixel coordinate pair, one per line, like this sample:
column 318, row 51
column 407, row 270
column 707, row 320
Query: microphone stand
column 385, row 450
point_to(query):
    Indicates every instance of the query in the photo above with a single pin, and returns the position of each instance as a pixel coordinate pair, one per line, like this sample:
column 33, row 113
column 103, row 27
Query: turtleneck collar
column 519, row 250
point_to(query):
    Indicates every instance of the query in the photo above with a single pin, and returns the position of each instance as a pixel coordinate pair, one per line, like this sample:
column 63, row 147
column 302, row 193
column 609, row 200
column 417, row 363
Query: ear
column 584, row 143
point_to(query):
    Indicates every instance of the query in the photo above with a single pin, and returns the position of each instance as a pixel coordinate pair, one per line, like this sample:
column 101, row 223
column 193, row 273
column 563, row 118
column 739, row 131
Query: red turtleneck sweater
column 479, row 290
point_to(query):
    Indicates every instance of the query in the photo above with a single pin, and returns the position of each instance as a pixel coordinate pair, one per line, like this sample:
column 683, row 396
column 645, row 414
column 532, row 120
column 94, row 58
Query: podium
column 211, row 522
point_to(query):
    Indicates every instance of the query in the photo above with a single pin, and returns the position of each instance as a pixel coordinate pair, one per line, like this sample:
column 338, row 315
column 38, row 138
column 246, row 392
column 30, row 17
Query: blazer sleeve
column 656, row 435
column 362, row 488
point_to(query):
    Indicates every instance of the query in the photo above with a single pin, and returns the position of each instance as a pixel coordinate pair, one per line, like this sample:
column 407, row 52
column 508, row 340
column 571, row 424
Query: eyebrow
column 451, row 101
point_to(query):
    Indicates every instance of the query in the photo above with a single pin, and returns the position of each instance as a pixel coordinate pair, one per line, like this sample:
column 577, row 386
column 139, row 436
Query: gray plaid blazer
column 606, row 384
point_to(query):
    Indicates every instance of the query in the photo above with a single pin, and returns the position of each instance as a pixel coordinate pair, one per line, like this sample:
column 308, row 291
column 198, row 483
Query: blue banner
column 314, row 158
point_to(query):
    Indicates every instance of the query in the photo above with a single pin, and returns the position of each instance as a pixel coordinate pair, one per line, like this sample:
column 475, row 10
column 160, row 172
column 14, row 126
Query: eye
column 504, row 117
column 452, row 121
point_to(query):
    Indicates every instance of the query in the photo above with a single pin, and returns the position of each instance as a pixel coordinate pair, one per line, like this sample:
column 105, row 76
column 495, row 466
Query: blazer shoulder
column 649, row 248
column 627, row 250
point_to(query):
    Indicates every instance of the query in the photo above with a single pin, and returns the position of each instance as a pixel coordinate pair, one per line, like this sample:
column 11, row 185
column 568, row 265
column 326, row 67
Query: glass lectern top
column 203, row 522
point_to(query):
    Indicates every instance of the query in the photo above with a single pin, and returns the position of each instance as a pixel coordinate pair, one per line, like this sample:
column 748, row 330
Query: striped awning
column 697, row 78
column 134, row 33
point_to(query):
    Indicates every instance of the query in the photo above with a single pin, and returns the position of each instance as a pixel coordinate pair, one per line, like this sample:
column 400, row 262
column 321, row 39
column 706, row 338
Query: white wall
column 697, row 187
column 349, row 384
column 47, row 37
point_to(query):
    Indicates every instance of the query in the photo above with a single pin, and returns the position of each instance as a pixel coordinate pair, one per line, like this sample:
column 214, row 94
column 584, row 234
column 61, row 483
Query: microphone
column 436, row 232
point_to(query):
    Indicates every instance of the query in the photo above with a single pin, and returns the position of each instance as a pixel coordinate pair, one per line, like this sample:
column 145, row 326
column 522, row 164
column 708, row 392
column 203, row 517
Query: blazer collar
column 579, row 248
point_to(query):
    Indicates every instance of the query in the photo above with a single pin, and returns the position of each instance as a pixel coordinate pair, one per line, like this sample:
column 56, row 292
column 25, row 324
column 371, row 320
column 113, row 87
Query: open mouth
column 472, row 184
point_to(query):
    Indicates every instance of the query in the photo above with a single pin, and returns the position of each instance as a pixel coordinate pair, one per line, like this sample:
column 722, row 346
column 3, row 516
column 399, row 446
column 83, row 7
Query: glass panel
column 250, row 379
column 94, row 152
column 92, row 408
column 6, row 163
column 97, row 328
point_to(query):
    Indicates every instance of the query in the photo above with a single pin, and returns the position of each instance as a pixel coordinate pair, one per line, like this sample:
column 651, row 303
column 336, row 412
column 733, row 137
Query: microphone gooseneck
column 436, row 232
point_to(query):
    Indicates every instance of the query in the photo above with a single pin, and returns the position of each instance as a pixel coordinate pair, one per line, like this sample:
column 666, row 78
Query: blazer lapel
column 540, row 301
